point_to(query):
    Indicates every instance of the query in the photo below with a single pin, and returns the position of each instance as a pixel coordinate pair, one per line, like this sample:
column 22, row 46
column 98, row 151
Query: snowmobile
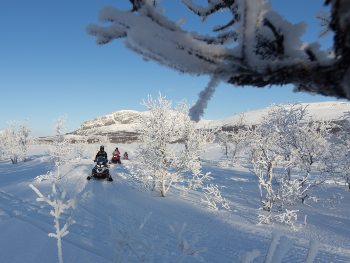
column 116, row 159
column 101, row 170
column 126, row 156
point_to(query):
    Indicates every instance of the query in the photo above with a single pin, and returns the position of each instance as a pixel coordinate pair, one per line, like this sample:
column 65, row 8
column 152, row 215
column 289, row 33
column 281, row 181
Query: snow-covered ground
column 118, row 222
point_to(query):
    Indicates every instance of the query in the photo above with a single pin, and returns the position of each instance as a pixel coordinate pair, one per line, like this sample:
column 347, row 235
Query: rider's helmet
column 102, row 148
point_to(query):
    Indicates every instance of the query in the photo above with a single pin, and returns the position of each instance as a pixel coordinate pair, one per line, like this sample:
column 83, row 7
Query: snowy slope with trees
column 275, row 193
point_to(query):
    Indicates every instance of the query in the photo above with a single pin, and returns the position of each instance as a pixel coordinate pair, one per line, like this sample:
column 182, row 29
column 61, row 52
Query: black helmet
column 102, row 148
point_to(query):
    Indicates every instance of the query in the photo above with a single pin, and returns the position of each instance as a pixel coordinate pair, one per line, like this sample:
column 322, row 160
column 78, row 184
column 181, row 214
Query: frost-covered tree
column 256, row 46
column 301, row 143
column 15, row 140
column 11, row 146
column 286, row 147
column 284, row 122
column 57, row 201
column 336, row 163
column 25, row 139
column 164, row 163
column 234, row 141
column 264, row 158
column 311, row 145
column 61, row 146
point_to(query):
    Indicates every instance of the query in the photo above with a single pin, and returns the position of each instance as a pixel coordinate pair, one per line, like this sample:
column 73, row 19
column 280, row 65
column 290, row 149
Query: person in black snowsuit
column 101, row 152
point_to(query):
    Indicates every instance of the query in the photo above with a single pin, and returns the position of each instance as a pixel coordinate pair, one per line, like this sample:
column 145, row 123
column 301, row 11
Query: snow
column 118, row 222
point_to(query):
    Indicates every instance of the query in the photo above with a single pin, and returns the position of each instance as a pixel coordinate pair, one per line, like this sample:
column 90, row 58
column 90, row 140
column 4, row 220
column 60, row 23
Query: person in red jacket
column 116, row 151
column 116, row 156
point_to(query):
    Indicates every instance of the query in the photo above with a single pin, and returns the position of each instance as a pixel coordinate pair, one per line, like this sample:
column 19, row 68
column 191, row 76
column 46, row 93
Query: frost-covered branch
column 257, row 46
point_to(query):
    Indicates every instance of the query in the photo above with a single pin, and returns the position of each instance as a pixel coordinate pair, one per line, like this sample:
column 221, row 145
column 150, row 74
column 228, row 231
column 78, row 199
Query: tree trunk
column 162, row 189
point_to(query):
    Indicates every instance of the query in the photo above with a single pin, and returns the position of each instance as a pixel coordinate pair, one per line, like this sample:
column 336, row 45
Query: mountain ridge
column 124, row 126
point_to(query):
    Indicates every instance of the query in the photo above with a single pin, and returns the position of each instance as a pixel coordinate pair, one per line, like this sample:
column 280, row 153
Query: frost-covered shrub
column 61, row 147
column 14, row 141
column 213, row 198
column 170, row 147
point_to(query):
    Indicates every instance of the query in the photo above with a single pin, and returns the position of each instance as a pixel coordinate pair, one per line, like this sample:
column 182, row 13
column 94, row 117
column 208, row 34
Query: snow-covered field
column 119, row 222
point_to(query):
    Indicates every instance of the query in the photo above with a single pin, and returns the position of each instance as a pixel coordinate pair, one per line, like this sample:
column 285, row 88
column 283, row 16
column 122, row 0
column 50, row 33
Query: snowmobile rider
column 116, row 152
column 101, row 152
column 126, row 156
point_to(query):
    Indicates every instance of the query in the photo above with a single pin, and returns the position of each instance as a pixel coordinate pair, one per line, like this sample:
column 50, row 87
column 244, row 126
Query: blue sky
column 50, row 67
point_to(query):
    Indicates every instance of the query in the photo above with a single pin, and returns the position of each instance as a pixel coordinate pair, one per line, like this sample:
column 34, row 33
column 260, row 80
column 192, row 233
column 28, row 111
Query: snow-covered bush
column 170, row 148
column 11, row 146
column 15, row 140
column 336, row 163
column 57, row 201
column 290, row 192
column 233, row 142
column 213, row 198
column 61, row 146
column 24, row 139
column 288, row 142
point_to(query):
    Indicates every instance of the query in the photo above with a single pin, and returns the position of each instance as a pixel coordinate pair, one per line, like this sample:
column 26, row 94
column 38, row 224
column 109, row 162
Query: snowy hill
column 123, row 126
column 317, row 111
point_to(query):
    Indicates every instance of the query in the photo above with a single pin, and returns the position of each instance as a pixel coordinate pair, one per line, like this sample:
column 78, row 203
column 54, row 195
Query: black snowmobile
column 101, row 170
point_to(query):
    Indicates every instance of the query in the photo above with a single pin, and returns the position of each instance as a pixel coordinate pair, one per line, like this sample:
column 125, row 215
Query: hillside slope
column 124, row 126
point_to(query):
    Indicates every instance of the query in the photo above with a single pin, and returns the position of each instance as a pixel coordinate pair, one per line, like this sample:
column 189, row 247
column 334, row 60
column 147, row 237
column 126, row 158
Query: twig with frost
column 59, row 206
column 288, row 217
column 213, row 198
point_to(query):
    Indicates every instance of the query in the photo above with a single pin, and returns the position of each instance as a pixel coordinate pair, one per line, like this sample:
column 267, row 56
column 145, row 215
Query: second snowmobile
column 116, row 159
